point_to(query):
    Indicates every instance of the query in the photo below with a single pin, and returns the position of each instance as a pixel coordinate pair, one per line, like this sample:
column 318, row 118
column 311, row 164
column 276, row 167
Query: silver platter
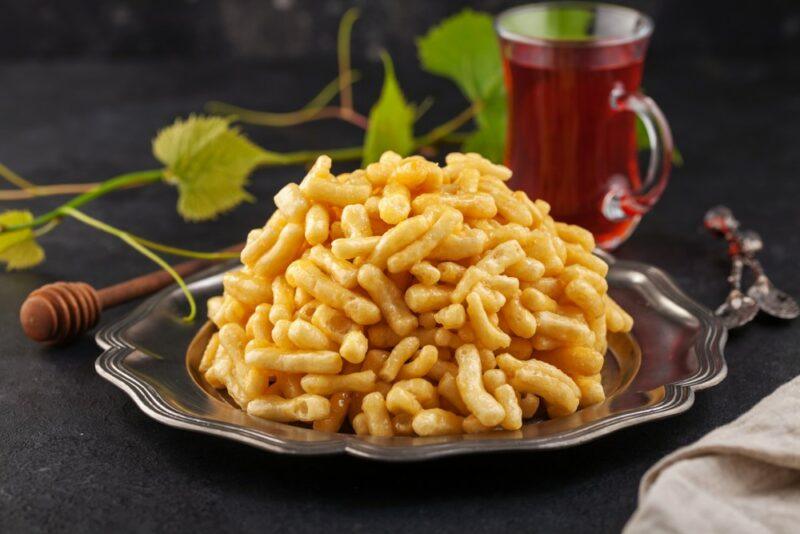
column 676, row 347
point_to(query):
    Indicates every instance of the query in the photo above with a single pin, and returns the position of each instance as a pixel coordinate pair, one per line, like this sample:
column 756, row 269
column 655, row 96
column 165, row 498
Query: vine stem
column 28, row 189
column 443, row 130
column 306, row 156
column 356, row 152
column 264, row 118
column 47, row 190
column 46, row 229
column 123, row 180
column 131, row 240
column 14, row 178
column 423, row 108
column 316, row 109
column 457, row 137
column 186, row 253
column 343, row 56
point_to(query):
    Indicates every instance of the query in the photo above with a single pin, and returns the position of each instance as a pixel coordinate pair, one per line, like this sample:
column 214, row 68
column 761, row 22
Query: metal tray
column 676, row 347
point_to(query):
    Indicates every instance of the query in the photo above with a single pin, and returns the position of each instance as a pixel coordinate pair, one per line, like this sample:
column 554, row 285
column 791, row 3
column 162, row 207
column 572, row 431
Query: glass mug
column 572, row 73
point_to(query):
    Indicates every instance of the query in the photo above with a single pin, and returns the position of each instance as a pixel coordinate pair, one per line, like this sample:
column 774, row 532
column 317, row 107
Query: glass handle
column 621, row 202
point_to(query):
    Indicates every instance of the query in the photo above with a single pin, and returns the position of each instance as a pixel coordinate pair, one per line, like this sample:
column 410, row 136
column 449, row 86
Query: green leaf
column 565, row 23
column 489, row 138
column 643, row 143
column 465, row 49
column 19, row 250
column 391, row 119
column 209, row 162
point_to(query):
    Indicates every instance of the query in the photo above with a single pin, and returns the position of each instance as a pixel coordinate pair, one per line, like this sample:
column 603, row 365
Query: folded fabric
column 741, row 477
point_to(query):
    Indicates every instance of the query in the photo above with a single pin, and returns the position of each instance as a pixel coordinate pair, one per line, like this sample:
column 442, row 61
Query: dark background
column 281, row 29
column 85, row 85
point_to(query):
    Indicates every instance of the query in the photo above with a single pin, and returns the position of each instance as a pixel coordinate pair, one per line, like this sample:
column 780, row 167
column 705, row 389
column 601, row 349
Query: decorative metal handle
column 621, row 202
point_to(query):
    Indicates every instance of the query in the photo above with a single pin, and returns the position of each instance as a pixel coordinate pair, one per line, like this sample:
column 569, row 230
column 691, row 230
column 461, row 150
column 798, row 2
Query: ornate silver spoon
column 738, row 309
column 769, row 298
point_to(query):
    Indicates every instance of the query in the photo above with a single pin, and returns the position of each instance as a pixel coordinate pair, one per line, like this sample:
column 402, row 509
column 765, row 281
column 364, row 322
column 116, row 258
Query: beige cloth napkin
column 741, row 477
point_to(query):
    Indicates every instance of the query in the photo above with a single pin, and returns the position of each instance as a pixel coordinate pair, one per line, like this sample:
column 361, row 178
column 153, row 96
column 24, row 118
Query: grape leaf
column 465, row 49
column 643, row 143
column 391, row 119
column 489, row 138
column 209, row 162
column 565, row 23
column 19, row 249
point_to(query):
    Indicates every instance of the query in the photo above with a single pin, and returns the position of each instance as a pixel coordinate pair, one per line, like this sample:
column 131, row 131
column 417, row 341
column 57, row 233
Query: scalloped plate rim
column 678, row 396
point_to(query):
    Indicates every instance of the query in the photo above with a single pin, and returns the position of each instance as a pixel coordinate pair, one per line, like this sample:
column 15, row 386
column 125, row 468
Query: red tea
column 576, row 142
column 568, row 143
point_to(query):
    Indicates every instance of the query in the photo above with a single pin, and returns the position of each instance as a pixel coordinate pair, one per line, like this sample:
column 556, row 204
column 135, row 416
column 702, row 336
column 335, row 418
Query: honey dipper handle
column 150, row 283
column 58, row 312
column 146, row 284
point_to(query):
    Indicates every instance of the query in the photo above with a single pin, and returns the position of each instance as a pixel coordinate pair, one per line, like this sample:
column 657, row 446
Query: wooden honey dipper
column 59, row 312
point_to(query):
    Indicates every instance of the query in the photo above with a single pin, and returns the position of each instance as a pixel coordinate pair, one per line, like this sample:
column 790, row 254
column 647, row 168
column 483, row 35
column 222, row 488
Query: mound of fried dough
column 412, row 299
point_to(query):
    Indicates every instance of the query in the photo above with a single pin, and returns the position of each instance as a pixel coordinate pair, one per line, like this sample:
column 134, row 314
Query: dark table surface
column 77, row 455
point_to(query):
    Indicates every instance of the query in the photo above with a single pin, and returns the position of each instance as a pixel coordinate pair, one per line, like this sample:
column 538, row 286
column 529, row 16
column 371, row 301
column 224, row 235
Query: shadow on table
column 343, row 480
